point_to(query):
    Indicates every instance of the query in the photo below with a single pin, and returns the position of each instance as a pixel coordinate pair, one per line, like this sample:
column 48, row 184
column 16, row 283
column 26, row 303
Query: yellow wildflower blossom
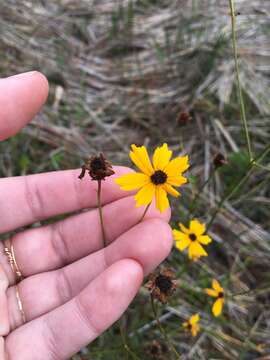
column 192, row 324
column 218, row 292
column 192, row 239
column 157, row 179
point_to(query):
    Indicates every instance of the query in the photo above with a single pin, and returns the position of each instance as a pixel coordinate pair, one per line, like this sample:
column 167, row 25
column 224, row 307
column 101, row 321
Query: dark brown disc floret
column 98, row 168
column 192, row 237
column 159, row 177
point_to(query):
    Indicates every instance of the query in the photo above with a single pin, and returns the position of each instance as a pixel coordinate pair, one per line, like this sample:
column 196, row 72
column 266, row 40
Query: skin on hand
column 64, row 264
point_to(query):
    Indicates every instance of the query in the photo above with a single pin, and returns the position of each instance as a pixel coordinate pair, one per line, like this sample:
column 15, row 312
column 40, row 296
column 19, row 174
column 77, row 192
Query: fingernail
column 28, row 73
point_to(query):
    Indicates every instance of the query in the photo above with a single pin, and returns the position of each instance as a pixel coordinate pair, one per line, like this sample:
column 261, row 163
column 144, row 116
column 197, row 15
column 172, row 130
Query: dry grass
column 122, row 72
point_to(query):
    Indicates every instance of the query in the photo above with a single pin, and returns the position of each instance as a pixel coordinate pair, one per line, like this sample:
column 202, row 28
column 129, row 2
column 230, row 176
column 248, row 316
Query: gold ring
column 9, row 251
column 20, row 306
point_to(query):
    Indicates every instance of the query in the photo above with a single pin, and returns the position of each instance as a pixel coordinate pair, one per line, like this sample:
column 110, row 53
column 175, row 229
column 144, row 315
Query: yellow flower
column 192, row 324
column 157, row 179
column 192, row 238
column 218, row 292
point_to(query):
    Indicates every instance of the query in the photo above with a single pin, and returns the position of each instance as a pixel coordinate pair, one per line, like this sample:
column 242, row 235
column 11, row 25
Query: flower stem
column 198, row 193
column 126, row 347
column 144, row 213
column 240, row 94
column 100, row 213
column 161, row 329
column 239, row 184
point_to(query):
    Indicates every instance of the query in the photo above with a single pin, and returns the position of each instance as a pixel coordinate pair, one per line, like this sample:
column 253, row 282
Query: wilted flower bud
column 98, row 168
column 184, row 118
column 219, row 160
column 161, row 285
column 157, row 350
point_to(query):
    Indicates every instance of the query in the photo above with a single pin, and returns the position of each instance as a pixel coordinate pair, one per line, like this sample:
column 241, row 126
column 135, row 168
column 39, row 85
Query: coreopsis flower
column 192, row 238
column 161, row 285
column 217, row 292
column 192, row 324
column 98, row 168
column 155, row 180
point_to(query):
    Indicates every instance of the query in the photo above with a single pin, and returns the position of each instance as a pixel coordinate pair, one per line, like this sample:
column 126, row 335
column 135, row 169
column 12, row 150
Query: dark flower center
column 97, row 164
column 192, row 237
column 164, row 283
column 159, row 177
column 189, row 326
column 154, row 350
column 220, row 295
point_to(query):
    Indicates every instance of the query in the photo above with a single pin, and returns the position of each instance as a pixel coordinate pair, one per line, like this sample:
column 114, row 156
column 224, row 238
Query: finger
column 21, row 97
column 73, row 238
column 28, row 199
column 64, row 331
column 149, row 243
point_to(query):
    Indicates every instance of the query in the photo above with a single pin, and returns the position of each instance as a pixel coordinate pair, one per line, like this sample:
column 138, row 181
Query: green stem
column 194, row 201
column 239, row 184
column 126, row 347
column 144, row 213
column 240, row 94
column 163, row 332
column 100, row 213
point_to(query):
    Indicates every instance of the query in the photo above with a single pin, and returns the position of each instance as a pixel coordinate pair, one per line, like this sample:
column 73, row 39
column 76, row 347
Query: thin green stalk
column 126, row 347
column 228, row 196
column 161, row 329
column 100, row 213
column 252, row 163
column 266, row 168
column 240, row 94
column 144, row 213
column 194, row 201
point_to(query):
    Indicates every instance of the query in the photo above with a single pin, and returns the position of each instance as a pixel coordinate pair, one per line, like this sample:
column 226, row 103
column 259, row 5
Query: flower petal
column 132, row 181
column 177, row 166
column 196, row 227
column 196, row 250
column 182, row 241
column 162, row 202
column 176, row 180
column 145, row 195
column 194, row 319
column 211, row 292
column 171, row 190
column 195, row 329
column 216, row 285
column 183, row 228
column 205, row 239
column 177, row 235
column 139, row 156
column 217, row 307
column 161, row 157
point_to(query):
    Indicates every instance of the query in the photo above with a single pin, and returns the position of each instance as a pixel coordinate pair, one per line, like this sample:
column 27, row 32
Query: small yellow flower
column 218, row 292
column 192, row 238
column 192, row 324
column 154, row 180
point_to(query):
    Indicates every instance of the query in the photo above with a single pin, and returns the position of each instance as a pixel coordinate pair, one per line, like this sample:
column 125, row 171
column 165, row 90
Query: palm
column 73, row 289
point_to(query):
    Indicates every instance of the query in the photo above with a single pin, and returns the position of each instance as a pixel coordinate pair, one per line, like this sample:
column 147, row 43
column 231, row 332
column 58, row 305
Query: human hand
column 73, row 289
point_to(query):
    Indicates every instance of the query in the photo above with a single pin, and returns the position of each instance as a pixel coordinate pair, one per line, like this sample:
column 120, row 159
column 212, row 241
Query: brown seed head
column 156, row 350
column 184, row 118
column 161, row 285
column 219, row 160
column 98, row 168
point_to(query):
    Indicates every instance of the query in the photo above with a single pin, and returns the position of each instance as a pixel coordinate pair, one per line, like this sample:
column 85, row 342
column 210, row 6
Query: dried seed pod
column 98, row 168
column 184, row 118
column 161, row 285
column 156, row 350
column 219, row 160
